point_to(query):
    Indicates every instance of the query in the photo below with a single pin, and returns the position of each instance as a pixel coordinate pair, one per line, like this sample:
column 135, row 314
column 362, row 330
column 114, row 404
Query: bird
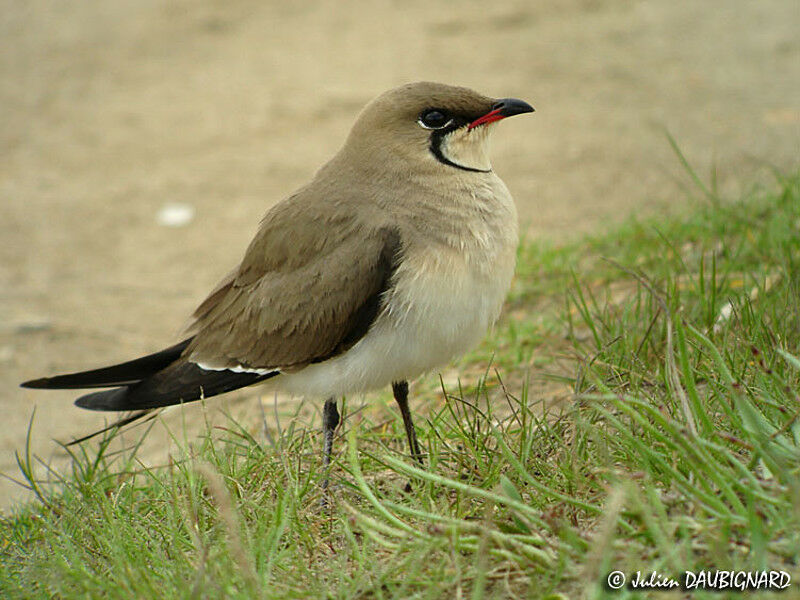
column 392, row 261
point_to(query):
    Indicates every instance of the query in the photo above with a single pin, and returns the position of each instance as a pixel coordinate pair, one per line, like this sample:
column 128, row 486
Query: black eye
column 434, row 119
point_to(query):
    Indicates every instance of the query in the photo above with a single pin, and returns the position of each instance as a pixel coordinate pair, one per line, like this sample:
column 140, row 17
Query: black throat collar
column 437, row 137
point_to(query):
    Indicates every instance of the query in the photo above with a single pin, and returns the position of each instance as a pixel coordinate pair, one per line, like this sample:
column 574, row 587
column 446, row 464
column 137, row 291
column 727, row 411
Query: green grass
column 641, row 412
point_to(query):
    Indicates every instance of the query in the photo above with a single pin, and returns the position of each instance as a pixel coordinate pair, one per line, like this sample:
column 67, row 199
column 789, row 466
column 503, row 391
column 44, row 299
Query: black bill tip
column 508, row 107
column 505, row 107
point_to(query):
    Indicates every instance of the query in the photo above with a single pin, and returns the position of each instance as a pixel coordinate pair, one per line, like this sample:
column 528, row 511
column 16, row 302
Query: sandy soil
column 110, row 109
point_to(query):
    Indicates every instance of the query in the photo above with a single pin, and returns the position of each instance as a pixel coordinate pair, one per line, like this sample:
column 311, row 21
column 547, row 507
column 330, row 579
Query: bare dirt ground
column 110, row 109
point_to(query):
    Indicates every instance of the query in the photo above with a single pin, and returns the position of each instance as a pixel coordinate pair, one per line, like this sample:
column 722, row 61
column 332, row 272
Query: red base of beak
column 489, row 117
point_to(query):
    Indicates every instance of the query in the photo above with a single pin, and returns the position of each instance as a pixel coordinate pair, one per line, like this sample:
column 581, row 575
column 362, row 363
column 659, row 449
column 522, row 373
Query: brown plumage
column 296, row 284
column 394, row 258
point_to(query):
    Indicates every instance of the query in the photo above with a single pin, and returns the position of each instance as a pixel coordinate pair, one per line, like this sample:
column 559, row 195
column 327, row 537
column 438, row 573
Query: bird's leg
column 330, row 421
column 400, row 390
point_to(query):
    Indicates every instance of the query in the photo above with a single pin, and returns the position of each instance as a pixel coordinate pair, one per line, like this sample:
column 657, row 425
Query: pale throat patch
column 468, row 148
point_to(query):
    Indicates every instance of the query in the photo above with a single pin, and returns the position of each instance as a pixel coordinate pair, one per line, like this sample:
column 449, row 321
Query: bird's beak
column 506, row 107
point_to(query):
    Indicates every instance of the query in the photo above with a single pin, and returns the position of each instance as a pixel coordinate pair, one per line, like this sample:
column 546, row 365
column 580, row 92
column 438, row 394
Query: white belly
column 440, row 306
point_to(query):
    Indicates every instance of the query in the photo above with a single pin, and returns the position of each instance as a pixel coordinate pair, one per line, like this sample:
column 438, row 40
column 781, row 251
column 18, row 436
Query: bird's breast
column 447, row 298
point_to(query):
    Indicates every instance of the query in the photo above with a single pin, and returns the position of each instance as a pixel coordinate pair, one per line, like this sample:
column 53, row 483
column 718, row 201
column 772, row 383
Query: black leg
column 330, row 421
column 400, row 390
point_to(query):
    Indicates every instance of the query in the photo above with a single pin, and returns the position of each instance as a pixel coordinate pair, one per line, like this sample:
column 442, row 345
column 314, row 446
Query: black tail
column 127, row 373
column 153, row 381
column 179, row 382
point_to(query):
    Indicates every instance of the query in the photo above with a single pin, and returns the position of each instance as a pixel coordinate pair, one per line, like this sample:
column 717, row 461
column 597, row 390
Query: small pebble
column 175, row 214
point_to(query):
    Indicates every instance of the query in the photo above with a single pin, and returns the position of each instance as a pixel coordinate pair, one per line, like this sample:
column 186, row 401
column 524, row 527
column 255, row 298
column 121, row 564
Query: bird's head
column 442, row 125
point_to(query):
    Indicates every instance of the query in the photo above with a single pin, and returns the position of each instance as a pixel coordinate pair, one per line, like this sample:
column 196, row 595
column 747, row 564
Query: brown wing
column 308, row 288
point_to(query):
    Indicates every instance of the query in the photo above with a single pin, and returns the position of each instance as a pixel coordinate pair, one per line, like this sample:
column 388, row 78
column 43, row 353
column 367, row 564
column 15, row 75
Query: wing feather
column 302, row 307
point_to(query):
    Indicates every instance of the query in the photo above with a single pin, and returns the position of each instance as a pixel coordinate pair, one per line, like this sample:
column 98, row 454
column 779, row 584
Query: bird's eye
column 434, row 119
